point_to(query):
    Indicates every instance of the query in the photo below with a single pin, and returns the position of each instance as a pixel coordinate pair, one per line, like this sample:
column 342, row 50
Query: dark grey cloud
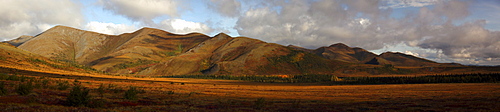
column 141, row 10
column 229, row 8
column 367, row 24
column 317, row 23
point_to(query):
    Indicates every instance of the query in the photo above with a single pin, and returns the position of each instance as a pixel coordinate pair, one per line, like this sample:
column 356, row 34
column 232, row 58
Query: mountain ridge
column 150, row 51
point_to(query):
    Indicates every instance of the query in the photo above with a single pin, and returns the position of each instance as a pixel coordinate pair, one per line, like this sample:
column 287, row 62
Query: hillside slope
column 14, row 58
column 150, row 51
column 223, row 54
column 345, row 53
column 111, row 53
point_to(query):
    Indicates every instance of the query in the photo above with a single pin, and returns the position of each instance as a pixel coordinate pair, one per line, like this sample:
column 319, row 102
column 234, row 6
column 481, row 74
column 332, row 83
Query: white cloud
column 408, row 3
column 27, row 17
column 411, row 53
column 109, row 28
column 145, row 11
column 230, row 8
column 141, row 10
column 183, row 26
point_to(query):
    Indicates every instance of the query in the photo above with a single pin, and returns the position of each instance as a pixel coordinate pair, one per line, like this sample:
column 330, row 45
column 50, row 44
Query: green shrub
column 131, row 93
column 96, row 103
column 45, row 83
column 13, row 78
column 78, row 96
column 63, row 85
column 170, row 92
column 114, row 88
column 101, row 91
column 457, row 78
column 24, row 89
column 23, row 78
column 4, row 76
column 259, row 103
column 3, row 90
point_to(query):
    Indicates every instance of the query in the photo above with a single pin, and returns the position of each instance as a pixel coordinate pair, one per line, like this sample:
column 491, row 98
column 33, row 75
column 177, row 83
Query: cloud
column 109, row 28
column 184, row 27
column 27, row 17
column 317, row 23
column 464, row 41
column 229, row 8
column 363, row 23
column 407, row 3
column 439, row 56
column 145, row 11
column 141, row 10
column 411, row 53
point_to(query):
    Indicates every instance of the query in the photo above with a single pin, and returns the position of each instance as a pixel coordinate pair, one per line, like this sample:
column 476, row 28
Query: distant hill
column 150, row 51
column 20, row 40
column 345, row 53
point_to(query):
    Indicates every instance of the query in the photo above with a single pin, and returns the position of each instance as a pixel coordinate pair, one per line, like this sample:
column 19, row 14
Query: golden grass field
column 184, row 94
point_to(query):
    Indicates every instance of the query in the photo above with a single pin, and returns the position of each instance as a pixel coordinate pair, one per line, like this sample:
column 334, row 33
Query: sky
column 459, row 31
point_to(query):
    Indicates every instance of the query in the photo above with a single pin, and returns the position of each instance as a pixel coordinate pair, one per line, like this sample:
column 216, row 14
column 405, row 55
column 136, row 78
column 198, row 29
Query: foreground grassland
column 50, row 93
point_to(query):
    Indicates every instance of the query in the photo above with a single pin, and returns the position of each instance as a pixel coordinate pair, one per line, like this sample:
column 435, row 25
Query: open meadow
column 50, row 92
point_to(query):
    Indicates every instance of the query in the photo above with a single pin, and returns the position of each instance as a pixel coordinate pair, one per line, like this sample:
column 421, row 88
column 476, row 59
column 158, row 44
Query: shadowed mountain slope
column 345, row 53
column 20, row 40
column 150, row 51
column 400, row 59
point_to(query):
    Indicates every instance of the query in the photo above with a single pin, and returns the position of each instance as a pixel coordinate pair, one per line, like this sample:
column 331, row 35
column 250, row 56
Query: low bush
column 13, row 78
column 3, row 90
column 4, row 76
column 78, row 96
column 45, row 82
column 97, row 103
column 63, row 85
column 458, row 78
column 25, row 88
column 131, row 93
column 259, row 103
column 101, row 90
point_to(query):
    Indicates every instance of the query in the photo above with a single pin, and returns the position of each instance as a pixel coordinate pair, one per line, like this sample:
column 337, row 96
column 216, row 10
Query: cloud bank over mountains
column 440, row 30
column 28, row 17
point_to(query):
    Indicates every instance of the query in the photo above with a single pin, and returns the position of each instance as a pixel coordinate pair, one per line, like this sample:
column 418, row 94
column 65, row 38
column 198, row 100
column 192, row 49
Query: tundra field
column 50, row 92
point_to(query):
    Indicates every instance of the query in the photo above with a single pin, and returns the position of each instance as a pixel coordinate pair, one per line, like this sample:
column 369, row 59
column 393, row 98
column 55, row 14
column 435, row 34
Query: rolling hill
column 154, row 52
column 14, row 59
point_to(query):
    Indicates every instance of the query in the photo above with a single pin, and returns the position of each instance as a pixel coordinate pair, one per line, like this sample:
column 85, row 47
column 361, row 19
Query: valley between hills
column 68, row 69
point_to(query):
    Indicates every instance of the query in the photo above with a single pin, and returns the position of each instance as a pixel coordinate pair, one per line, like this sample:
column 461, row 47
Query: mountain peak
column 294, row 46
column 389, row 53
column 148, row 29
column 58, row 27
column 339, row 45
column 222, row 34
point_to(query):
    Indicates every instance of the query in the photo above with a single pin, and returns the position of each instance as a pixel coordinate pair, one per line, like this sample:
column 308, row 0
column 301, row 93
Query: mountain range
column 154, row 52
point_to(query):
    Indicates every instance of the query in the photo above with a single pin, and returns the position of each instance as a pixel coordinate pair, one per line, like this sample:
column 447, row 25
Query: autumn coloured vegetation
column 49, row 93
column 154, row 70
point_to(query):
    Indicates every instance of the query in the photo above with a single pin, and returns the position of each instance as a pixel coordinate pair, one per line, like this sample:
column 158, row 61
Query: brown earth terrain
column 62, row 58
column 154, row 52
column 173, row 94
